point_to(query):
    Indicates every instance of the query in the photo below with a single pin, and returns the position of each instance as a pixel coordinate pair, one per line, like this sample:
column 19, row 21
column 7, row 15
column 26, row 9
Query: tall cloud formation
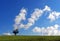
column 51, row 30
column 19, row 18
column 34, row 17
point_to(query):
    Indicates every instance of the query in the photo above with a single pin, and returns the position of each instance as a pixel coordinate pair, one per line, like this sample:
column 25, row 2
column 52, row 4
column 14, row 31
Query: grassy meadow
column 29, row 38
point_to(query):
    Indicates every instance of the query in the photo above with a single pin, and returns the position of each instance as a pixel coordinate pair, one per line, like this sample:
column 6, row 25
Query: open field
column 29, row 38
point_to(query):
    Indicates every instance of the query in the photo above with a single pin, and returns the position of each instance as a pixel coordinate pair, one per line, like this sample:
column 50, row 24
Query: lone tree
column 15, row 32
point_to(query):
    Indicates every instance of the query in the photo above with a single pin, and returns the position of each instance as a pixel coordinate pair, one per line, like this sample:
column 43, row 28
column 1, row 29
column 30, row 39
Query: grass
column 29, row 38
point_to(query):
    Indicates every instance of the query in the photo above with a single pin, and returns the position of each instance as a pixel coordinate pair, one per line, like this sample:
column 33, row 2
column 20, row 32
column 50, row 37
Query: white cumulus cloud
column 54, row 15
column 51, row 30
column 37, row 29
column 47, row 8
column 19, row 18
column 34, row 17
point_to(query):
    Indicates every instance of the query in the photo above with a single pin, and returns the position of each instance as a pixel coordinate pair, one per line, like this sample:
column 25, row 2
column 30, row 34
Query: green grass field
column 29, row 38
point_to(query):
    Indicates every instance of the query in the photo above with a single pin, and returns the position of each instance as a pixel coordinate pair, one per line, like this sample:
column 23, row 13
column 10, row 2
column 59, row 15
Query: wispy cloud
column 7, row 34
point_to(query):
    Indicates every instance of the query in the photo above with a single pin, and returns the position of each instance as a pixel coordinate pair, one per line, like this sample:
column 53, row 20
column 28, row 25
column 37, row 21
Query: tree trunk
column 15, row 34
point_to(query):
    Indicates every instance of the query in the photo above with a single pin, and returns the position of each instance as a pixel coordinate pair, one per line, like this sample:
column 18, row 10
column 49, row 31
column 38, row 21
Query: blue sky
column 9, row 9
